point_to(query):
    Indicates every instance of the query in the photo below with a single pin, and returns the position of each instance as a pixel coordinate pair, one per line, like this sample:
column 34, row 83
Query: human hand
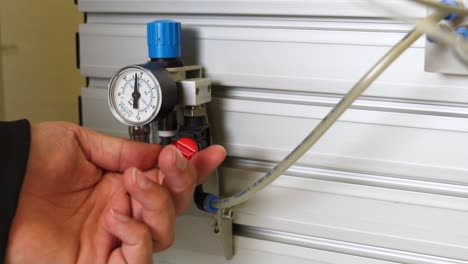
column 85, row 198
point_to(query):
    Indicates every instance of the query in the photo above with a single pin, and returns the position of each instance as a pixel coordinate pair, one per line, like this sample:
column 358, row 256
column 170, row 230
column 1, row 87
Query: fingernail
column 141, row 180
column 179, row 160
column 119, row 215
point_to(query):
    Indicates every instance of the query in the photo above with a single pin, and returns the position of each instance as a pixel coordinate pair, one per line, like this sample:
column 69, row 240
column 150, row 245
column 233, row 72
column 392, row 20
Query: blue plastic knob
column 462, row 31
column 453, row 3
column 164, row 39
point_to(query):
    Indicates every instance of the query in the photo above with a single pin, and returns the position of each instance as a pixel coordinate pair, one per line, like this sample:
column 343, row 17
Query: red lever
column 187, row 146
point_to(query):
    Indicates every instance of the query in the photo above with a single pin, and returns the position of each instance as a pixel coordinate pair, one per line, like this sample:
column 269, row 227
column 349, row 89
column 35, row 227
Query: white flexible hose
column 443, row 8
column 329, row 120
column 457, row 43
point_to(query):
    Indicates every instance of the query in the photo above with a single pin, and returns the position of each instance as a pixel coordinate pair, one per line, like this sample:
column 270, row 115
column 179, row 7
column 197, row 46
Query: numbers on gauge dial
column 135, row 95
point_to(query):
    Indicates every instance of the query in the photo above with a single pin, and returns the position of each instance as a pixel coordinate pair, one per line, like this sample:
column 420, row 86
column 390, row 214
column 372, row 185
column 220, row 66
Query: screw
column 216, row 229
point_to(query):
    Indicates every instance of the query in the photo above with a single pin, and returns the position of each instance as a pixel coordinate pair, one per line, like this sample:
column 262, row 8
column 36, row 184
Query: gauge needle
column 136, row 94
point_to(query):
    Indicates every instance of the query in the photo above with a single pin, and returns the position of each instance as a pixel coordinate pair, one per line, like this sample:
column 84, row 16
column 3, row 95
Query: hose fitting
column 453, row 3
column 462, row 31
column 203, row 200
column 208, row 207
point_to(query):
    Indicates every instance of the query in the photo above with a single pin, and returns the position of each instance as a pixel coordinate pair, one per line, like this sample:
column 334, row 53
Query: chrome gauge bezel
column 111, row 96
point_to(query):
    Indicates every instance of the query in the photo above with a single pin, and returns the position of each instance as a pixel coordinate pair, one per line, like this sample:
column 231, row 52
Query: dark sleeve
column 15, row 139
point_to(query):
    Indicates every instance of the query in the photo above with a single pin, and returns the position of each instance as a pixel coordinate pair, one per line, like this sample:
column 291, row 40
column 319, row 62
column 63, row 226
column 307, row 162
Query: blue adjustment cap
column 462, row 31
column 454, row 3
column 164, row 39
column 208, row 207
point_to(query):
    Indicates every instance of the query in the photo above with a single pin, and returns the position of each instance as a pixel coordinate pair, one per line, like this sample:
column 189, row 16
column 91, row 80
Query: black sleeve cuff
column 15, row 140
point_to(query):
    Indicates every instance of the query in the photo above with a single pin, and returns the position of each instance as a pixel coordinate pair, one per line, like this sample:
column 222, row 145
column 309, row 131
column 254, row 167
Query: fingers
column 116, row 154
column 135, row 236
column 206, row 161
column 157, row 206
column 180, row 177
column 157, row 209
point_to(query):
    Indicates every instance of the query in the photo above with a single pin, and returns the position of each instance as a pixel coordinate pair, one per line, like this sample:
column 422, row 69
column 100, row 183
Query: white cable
column 329, row 120
column 457, row 43
column 441, row 7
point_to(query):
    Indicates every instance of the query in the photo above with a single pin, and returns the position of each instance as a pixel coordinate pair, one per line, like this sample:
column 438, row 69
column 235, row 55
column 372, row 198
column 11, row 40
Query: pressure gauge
column 139, row 94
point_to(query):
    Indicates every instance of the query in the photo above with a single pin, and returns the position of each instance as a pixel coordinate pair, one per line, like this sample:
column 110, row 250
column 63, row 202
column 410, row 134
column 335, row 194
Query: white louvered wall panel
column 387, row 184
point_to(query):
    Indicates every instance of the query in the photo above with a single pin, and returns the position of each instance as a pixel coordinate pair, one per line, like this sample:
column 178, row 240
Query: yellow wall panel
column 38, row 65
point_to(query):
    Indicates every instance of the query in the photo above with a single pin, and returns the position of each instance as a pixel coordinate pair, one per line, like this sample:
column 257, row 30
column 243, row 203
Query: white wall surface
column 387, row 184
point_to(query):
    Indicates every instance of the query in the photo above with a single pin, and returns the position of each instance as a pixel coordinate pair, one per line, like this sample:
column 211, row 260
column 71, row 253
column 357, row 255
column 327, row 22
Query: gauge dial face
column 134, row 96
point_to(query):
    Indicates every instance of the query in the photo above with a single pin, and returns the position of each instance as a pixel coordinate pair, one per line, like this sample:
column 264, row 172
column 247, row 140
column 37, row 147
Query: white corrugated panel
column 387, row 184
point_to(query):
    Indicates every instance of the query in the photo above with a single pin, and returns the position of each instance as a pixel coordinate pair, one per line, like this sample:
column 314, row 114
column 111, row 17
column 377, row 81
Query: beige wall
column 38, row 78
column 2, row 104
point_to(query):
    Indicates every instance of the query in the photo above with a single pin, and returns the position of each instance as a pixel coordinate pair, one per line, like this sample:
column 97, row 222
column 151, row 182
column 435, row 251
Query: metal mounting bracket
column 223, row 227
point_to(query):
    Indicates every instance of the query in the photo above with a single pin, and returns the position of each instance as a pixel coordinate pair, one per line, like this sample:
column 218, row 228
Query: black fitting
column 165, row 141
column 196, row 128
column 203, row 200
column 169, row 124
column 168, row 62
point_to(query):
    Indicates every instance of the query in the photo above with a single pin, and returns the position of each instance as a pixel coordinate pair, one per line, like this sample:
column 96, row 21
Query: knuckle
column 144, row 233
column 166, row 242
column 166, row 199
column 163, row 201
column 185, row 185
column 187, row 182
column 69, row 134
